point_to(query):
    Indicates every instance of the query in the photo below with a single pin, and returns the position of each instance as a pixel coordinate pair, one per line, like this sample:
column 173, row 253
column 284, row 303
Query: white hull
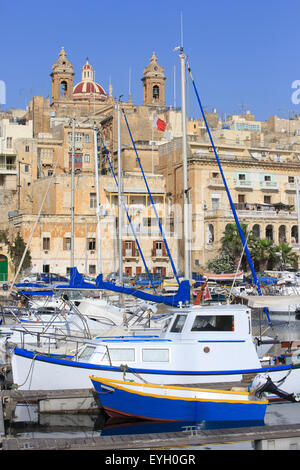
column 40, row 375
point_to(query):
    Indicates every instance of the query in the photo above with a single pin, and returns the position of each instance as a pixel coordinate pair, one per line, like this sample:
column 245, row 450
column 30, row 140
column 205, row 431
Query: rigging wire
column 255, row 279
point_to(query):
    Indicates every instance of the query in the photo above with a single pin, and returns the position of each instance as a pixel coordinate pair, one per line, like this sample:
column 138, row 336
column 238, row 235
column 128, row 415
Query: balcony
column 269, row 185
column 216, row 183
column 290, row 187
column 159, row 254
column 8, row 168
column 243, row 184
column 130, row 255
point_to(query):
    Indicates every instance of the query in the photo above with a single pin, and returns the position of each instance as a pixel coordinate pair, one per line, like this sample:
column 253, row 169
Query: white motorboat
column 198, row 344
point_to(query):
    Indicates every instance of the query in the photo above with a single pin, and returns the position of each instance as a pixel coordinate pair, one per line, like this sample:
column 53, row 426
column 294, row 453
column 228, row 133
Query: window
column 213, row 323
column 215, row 175
column 86, row 354
column 128, row 248
column 267, row 199
column 67, row 243
column 155, row 92
column 46, row 153
column 155, row 355
column 92, row 244
column 92, row 269
column 242, row 177
column 9, row 142
column 267, row 178
column 46, row 243
column 93, row 200
column 158, row 247
column 87, row 138
column 122, row 354
column 291, row 179
column 78, row 137
column 26, row 148
column 178, row 324
column 87, row 158
column 63, row 88
column 26, row 168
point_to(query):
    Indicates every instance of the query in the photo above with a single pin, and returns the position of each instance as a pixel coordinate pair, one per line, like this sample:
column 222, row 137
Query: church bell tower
column 154, row 83
column 62, row 79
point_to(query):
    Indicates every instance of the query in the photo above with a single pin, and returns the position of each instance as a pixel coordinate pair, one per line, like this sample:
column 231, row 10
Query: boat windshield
column 86, row 353
column 178, row 324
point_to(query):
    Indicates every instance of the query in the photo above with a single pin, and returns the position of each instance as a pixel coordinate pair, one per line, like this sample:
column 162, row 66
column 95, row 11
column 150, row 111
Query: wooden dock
column 170, row 440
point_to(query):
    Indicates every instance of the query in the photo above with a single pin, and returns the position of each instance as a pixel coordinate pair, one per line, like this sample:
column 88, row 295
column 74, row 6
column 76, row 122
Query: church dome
column 88, row 86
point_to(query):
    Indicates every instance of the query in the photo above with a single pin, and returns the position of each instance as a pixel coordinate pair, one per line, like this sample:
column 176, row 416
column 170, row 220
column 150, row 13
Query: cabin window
column 155, row 355
column 213, row 323
column 120, row 354
column 178, row 324
column 86, row 353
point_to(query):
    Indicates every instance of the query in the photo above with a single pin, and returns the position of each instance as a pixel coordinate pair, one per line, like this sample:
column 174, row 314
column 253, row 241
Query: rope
column 31, row 366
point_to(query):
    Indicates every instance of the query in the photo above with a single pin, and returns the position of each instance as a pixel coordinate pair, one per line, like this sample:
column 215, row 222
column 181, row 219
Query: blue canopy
column 78, row 282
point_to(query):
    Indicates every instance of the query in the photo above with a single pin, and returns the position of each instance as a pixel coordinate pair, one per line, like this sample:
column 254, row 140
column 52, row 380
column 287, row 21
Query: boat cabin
column 227, row 321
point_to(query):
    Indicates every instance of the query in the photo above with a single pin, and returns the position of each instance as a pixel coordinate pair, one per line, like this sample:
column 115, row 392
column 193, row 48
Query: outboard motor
column 263, row 384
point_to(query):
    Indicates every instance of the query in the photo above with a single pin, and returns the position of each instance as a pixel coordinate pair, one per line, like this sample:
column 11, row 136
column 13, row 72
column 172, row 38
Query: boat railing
column 50, row 343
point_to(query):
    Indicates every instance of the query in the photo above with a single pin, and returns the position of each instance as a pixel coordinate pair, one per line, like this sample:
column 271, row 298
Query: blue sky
column 241, row 53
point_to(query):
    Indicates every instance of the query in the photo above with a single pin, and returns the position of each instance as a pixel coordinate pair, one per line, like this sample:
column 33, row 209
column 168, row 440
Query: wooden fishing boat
column 176, row 403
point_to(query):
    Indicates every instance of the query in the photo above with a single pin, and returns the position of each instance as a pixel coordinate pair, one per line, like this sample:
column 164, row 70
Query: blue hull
column 123, row 403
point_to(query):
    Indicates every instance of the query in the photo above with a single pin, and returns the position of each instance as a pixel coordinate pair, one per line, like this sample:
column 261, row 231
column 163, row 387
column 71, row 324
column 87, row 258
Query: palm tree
column 287, row 255
column 263, row 252
column 231, row 241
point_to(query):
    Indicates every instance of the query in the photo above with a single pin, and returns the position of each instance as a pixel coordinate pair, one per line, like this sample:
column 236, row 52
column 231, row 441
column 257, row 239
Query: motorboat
column 197, row 344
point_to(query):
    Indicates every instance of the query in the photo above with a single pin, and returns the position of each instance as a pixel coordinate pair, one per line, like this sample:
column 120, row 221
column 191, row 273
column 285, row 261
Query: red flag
column 159, row 123
column 207, row 295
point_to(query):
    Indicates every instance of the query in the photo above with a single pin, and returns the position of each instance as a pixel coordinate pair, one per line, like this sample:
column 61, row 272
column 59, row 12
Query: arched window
column 155, row 92
column 63, row 88
column 282, row 234
column 210, row 234
column 256, row 230
column 294, row 234
column 270, row 232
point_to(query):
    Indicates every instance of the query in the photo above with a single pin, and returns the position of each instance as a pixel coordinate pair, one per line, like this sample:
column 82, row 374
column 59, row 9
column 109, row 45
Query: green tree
column 286, row 253
column 232, row 243
column 263, row 253
column 16, row 250
column 223, row 263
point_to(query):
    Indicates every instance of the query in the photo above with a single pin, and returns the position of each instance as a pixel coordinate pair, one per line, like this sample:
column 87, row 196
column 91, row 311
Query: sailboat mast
column 120, row 197
column 99, row 256
column 72, row 192
column 187, row 273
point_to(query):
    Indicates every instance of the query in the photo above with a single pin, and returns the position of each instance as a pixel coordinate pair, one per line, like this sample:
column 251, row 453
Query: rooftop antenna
column 129, row 85
column 181, row 31
column 174, row 86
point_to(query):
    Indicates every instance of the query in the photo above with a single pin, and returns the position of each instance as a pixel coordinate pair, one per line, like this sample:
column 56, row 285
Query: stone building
column 260, row 162
column 262, row 184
